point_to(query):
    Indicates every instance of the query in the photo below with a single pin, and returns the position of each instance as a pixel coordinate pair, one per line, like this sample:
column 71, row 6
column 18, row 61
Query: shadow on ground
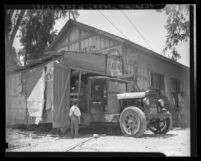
column 47, row 130
column 116, row 131
column 164, row 136
column 108, row 130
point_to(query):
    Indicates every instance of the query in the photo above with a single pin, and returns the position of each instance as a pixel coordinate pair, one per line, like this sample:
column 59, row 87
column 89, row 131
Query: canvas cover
column 61, row 99
column 30, row 78
column 35, row 101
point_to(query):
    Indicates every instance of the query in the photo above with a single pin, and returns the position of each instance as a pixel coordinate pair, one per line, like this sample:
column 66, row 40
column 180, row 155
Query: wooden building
column 81, row 51
column 126, row 59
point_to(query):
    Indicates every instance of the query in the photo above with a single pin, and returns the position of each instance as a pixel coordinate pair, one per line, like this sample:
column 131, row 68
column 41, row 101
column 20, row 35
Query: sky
column 149, row 24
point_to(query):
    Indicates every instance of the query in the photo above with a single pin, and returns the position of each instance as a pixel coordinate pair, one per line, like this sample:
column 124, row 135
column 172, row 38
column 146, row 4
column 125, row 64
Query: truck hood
column 131, row 95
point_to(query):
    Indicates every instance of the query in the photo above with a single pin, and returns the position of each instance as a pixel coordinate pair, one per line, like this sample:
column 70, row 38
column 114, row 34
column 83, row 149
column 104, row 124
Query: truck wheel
column 133, row 122
column 162, row 126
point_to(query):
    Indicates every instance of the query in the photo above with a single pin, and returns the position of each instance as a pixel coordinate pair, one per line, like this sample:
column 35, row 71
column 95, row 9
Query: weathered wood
column 79, row 85
column 102, row 42
column 123, row 50
column 76, row 41
column 107, row 48
column 80, row 40
column 86, row 70
column 61, row 99
column 88, row 95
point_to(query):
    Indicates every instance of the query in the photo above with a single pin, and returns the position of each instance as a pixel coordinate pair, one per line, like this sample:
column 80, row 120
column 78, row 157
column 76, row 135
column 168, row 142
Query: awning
column 91, row 62
column 37, row 63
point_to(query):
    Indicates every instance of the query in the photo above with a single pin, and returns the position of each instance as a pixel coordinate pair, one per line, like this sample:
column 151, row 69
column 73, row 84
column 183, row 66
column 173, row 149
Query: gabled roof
column 109, row 35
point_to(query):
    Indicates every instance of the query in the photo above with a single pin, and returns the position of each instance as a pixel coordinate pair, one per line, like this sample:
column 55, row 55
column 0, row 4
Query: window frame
column 157, row 81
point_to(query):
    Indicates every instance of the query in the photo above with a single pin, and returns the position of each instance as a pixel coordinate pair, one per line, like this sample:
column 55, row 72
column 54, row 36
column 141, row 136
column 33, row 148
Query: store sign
column 114, row 63
column 89, row 48
column 116, row 67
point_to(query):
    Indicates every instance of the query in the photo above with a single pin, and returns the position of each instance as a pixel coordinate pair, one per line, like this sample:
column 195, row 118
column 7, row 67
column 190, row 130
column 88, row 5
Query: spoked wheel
column 133, row 122
column 162, row 126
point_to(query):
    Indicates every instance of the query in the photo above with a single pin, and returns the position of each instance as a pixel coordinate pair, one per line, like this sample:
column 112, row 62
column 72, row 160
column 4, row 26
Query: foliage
column 178, row 28
column 36, row 28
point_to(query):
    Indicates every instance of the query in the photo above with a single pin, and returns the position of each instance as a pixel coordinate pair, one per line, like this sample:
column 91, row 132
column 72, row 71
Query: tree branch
column 73, row 15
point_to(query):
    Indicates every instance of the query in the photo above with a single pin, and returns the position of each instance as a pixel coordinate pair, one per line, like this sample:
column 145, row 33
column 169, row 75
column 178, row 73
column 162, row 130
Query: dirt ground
column 175, row 143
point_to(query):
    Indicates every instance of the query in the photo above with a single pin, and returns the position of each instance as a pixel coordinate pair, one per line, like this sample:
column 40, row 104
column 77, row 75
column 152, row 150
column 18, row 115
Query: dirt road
column 175, row 143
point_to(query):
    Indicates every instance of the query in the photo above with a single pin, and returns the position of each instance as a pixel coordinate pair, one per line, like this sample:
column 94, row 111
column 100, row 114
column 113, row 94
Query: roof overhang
column 39, row 62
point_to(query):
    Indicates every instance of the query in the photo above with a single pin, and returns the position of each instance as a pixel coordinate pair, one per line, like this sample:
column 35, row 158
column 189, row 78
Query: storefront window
column 98, row 89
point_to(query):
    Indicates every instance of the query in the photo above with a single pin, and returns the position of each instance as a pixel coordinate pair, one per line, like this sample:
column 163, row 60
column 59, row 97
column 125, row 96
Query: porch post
column 79, row 85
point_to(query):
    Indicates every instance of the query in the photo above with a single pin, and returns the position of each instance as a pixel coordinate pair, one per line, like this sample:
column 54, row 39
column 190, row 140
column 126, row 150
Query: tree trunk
column 73, row 16
column 9, row 42
column 16, row 27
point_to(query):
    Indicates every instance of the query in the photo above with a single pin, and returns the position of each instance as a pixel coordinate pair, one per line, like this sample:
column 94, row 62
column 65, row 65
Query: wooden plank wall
column 15, row 100
column 85, row 41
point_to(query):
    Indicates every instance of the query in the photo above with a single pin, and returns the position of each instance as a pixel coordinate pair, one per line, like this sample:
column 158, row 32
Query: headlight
column 161, row 102
column 146, row 101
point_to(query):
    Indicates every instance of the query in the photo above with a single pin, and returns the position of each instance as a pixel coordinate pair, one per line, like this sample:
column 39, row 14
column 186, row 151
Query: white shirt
column 74, row 109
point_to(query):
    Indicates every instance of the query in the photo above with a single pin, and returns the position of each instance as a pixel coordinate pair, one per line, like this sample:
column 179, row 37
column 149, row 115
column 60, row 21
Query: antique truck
column 108, row 101
column 141, row 111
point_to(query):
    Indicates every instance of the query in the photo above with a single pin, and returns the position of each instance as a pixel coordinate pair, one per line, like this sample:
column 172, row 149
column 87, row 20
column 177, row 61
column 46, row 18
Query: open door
column 61, row 96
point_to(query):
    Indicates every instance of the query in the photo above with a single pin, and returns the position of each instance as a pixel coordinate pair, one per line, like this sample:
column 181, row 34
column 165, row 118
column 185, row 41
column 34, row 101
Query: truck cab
column 102, row 104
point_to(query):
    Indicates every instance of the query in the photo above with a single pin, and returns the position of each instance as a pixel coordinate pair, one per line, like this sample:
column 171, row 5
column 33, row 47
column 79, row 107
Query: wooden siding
column 89, row 41
column 74, row 34
column 137, row 61
column 81, row 40
column 153, row 64
column 15, row 100
column 148, row 63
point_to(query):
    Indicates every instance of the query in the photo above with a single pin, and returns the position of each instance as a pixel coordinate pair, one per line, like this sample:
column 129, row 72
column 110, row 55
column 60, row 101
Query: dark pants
column 74, row 126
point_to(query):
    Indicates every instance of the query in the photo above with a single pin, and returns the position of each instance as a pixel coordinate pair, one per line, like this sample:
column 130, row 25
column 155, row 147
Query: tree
column 36, row 29
column 13, row 19
column 178, row 28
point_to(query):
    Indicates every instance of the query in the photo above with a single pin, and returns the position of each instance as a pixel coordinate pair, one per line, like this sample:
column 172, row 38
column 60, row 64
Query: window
column 175, row 90
column 98, row 87
column 130, row 69
column 157, row 82
column 175, row 85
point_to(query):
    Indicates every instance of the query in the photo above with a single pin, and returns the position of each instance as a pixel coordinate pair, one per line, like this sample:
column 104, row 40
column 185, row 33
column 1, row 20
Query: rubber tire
column 142, row 118
column 168, row 128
